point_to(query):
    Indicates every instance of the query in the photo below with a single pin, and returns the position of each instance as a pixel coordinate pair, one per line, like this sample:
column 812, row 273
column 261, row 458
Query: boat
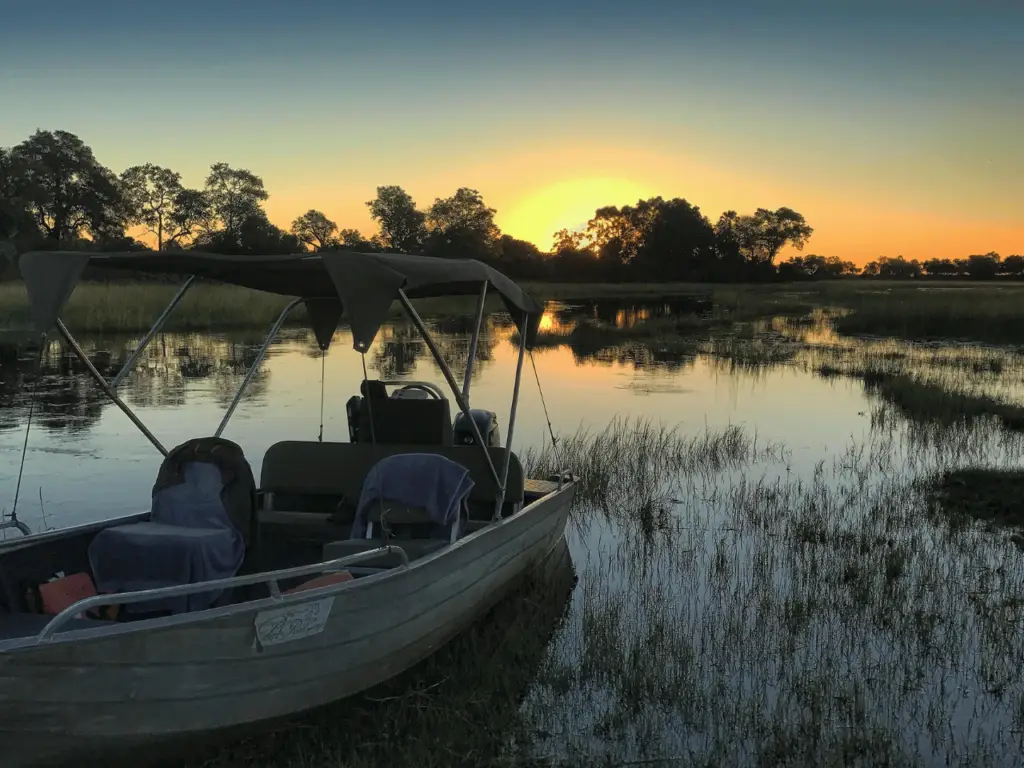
column 231, row 602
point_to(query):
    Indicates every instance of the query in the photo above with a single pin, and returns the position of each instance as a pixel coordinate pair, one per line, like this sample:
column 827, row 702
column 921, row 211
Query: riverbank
column 985, row 312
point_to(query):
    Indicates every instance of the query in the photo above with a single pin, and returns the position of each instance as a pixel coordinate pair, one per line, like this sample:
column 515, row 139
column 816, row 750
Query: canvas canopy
column 362, row 286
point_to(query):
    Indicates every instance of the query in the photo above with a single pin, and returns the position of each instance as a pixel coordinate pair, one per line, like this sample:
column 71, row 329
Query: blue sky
column 897, row 113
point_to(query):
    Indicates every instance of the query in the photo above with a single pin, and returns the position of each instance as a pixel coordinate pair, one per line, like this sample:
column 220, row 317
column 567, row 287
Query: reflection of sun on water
column 566, row 205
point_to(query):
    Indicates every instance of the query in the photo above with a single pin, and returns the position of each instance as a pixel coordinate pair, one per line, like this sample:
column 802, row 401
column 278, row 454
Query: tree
column 814, row 267
column 254, row 235
column 1014, row 265
column 17, row 226
column 461, row 226
column 677, row 243
column 65, row 190
column 760, row 237
column 191, row 216
column 892, row 268
column 150, row 192
column 983, row 267
column 566, row 240
column 235, row 196
column 315, row 230
column 942, row 268
column 353, row 240
column 401, row 225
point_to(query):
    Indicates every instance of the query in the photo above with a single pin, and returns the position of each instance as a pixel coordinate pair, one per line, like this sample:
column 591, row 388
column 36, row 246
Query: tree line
column 55, row 194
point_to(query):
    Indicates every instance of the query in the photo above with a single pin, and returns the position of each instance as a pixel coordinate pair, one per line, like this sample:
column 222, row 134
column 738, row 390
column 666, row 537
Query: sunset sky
column 895, row 127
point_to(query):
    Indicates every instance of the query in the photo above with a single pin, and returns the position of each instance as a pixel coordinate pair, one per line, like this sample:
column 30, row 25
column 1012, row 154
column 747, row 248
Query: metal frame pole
column 463, row 405
column 256, row 364
column 133, row 358
column 80, row 354
column 473, row 342
column 511, row 421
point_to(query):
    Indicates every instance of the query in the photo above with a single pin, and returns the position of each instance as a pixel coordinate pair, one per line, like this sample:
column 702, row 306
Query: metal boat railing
column 271, row 578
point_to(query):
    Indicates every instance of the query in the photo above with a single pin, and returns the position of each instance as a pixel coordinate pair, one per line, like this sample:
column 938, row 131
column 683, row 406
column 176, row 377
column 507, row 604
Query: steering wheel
column 419, row 387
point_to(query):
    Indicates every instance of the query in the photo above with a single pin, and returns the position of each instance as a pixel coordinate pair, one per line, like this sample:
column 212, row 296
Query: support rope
column 28, row 427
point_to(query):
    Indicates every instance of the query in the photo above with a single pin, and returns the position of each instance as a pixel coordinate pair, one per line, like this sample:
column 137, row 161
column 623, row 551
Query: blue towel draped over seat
column 426, row 481
column 189, row 538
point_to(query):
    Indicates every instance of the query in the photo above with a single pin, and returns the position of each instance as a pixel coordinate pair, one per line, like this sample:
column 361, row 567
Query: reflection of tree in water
column 639, row 355
column 626, row 312
column 69, row 400
column 397, row 351
column 399, row 346
column 65, row 400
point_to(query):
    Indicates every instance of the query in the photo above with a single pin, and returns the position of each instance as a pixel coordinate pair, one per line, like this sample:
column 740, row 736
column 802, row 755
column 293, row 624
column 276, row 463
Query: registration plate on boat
column 294, row 622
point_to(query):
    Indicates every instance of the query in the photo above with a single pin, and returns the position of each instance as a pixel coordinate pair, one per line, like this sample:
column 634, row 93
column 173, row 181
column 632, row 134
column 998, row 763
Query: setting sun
column 566, row 205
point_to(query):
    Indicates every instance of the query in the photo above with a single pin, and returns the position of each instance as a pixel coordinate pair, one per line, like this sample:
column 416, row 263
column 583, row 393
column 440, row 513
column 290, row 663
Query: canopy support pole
column 256, row 364
column 157, row 325
column 107, row 390
column 463, row 404
column 511, row 423
column 474, row 341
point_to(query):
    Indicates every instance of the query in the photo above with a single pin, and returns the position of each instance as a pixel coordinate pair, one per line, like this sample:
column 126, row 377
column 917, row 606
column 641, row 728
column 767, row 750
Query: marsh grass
column 126, row 307
column 991, row 313
column 782, row 621
column 993, row 496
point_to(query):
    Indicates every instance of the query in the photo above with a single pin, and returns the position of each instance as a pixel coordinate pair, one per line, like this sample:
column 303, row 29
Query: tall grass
column 987, row 313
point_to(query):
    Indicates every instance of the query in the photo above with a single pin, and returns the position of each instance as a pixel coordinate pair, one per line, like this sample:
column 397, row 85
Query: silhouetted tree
column 401, row 225
column 461, row 226
column 942, row 268
column 890, row 268
column 678, row 242
column 760, row 237
column 150, row 192
column 235, row 196
column 565, row 240
column 353, row 240
column 191, row 216
column 1014, row 265
column 983, row 266
column 814, row 267
column 64, row 188
column 315, row 230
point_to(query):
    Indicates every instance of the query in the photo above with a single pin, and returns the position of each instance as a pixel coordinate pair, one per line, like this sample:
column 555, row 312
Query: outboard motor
column 486, row 422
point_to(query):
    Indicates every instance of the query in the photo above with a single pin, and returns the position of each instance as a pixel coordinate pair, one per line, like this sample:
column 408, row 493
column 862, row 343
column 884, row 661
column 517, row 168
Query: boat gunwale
column 114, row 629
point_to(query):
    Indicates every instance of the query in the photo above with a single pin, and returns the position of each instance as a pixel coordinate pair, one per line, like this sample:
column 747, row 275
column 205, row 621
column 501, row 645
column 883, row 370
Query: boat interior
column 301, row 513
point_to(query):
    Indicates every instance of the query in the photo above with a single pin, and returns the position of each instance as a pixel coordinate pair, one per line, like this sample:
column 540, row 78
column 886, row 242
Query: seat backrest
column 405, row 421
column 296, row 467
column 191, row 466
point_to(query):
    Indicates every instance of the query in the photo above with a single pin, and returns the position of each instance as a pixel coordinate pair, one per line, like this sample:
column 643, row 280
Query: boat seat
column 414, row 548
column 301, row 476
column 397, row 420
column 190, row 538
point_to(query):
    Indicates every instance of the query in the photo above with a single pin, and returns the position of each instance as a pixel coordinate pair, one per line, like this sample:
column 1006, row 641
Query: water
column 781, row 594
column 87, row 461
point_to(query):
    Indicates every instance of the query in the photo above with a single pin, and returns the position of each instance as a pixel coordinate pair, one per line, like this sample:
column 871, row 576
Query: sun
column 568, row 205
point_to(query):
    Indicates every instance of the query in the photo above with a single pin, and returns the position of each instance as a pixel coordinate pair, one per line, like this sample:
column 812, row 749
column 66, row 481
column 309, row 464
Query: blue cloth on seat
column 190, row 538
column 429, row 481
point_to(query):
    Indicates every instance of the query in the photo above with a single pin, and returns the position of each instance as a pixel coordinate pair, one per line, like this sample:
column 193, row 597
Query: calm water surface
column 86, row 460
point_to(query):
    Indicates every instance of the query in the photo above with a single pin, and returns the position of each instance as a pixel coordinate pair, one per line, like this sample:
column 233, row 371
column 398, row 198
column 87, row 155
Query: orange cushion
column 60, row 593
column 321, row 581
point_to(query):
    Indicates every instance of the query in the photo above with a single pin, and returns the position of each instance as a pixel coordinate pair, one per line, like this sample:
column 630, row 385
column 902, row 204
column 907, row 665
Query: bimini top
column 360, row 285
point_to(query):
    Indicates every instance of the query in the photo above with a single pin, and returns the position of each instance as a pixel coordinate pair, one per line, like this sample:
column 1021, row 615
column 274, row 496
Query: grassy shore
column 985, row 312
